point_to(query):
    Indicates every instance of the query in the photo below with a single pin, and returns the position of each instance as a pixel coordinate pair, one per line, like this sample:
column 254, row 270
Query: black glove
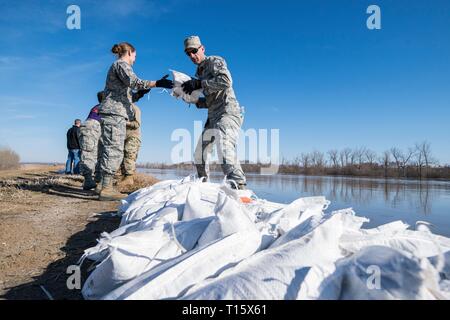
column 142, row 93
column 191, row 85
column 164, row 83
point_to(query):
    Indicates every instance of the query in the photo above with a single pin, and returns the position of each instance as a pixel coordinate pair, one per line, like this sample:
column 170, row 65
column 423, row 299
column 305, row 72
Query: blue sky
column 309, row 68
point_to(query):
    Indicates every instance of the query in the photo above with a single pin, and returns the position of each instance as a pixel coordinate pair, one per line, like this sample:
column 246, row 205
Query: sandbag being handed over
column 178, row 79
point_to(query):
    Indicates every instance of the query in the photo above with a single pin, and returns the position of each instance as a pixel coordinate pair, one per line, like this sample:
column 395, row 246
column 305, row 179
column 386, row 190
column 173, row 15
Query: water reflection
column 360, row 191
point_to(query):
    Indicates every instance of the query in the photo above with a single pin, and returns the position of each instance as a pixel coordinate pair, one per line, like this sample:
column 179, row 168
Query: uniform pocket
column 118, row 132
column 113, row 132
column 87, row 140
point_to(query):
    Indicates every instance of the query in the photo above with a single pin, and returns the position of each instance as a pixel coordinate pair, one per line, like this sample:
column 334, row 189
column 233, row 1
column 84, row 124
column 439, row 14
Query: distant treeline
column 415, row 162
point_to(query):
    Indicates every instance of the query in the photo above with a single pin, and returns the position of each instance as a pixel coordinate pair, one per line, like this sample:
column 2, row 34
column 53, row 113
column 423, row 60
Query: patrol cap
column 192, row 42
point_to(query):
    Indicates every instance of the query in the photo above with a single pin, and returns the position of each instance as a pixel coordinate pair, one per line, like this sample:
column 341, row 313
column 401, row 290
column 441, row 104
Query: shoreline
column 411, row 179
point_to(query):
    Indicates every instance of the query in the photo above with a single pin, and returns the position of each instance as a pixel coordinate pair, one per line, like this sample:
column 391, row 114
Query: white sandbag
column 291, row 215
column 131, row 255
column 275, row 273
column 390, row 227
column 163, row 189
column 172, row 278
column 138, row 213
column 178, row 79
column 170, row 213
column 263, row 210
column 310, row 287
column 146, row 206
column 128, row 256
column 444, row 286
column 420, row 244
column 401, row 276
column 173, row 195
column 230, row 217
column 346, row 217
column 200, row 202
column 143, row 193
column 442, row 263
column 160, row 218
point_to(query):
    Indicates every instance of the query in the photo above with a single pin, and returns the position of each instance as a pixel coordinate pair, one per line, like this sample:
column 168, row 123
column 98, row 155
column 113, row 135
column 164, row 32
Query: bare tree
column 352, row 157
column 305, row 160
column 344, row 156
column 419, row 160
column 423, row 156
column 370, row 156
column 425, row 149
column 402, row 159
column 297, row 161
column 358, row 156
column 397, row 154
column 318, row 159
column 385, row 161
column 333, row 156
column 408, row 156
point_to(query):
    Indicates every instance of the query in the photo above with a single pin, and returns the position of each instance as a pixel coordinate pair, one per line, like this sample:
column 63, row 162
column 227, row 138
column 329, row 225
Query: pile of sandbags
column 189, row 239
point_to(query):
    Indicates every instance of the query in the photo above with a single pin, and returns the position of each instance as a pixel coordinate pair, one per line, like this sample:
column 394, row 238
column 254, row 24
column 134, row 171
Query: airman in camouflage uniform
column 114, row 111
column 90, row 133
column 225, row 117
column 132, row 145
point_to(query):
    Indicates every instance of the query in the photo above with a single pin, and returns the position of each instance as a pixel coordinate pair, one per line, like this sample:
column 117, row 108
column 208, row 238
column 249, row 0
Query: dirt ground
column 46, row 222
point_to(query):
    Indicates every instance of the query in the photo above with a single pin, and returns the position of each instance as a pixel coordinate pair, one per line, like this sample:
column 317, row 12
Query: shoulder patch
column 218, row 62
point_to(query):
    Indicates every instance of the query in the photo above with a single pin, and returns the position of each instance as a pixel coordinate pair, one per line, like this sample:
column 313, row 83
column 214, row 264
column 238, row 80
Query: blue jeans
column 73, row 157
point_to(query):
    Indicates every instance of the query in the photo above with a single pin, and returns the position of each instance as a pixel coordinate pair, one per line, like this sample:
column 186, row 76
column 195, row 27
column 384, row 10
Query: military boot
column 238, row 186
column 127, row 181
column 98, row 177
column 118, row 177
column 108, row 192
column 99, row 186
column 88, row 183
column 242, row 186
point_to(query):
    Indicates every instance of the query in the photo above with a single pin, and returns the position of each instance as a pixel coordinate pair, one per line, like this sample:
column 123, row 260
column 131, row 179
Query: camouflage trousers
column 131, row 150
column 90, row 133
column 223, row 133
column 113, row 139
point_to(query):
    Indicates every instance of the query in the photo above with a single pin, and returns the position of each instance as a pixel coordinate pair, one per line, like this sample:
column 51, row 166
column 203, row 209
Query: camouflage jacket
column 217, row 87
column 120, row 82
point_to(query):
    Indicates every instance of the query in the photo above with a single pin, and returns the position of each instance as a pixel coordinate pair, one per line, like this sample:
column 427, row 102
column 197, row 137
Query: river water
column 380, row 200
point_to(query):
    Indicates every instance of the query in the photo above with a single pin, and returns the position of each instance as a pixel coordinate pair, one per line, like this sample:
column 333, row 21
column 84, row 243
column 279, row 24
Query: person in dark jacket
column 73, row 145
